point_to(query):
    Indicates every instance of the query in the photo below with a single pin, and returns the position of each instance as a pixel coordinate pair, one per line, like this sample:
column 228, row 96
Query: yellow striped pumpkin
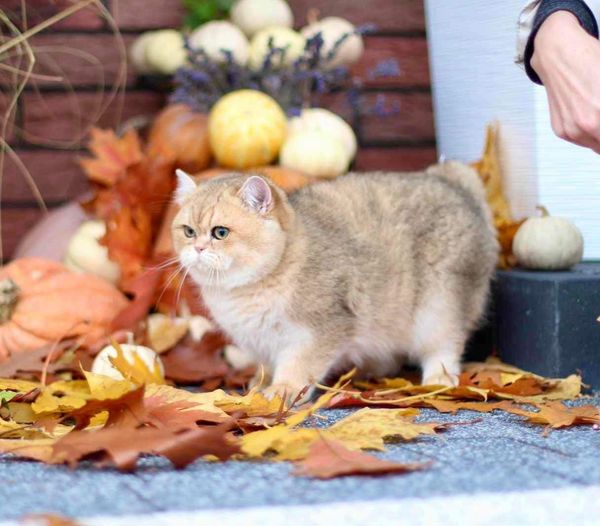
column 246, row 129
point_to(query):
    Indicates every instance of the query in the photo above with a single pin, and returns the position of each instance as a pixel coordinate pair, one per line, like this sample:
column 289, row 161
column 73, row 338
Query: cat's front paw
column 287, row 392
column 445, row 379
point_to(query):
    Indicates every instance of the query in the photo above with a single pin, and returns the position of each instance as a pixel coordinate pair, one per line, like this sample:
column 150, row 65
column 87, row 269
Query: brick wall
column 53, row 118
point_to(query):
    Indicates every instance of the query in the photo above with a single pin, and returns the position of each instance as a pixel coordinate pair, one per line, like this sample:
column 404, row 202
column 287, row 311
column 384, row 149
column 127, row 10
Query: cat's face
column 227, row 233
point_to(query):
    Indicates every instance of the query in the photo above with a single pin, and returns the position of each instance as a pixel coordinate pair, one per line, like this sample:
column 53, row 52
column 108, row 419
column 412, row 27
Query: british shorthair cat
column 365, row 270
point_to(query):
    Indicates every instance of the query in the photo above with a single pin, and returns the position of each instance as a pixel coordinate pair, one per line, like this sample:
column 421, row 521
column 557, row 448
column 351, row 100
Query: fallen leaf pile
column 115, row 422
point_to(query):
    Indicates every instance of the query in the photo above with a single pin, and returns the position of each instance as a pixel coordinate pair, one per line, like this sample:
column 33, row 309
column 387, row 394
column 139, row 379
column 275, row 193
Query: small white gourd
column 214, row 37
column 548, row 243
column 251, row 16
column 315, row 153
column 281, row 37
column 332, row 29
column 85, row 253
column 328, row 122
column 165, row 51
column 137, row 53
column 103, row 366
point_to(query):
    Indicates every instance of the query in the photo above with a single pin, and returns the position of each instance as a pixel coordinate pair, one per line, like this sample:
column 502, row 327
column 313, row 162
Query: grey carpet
column 499, row 453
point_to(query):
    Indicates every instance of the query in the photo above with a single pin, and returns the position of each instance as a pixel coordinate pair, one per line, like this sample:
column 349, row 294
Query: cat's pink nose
column 199, row 249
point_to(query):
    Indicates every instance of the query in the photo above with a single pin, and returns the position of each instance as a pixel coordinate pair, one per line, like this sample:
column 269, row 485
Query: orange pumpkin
column 209, row 174
column 180, row 135
column 42, row 302
column 286, row 178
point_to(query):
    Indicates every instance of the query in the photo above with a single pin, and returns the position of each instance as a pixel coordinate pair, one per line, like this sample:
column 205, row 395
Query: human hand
column 567, row 60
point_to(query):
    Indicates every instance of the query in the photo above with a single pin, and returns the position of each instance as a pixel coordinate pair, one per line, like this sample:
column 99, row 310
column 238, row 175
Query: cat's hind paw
column 289, row 393
column 445, row 379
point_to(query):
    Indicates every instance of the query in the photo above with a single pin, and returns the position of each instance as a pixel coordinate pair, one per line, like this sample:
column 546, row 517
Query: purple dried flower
column 203, row 81
column 385, row 68
column 365, row 29
column 382, row 109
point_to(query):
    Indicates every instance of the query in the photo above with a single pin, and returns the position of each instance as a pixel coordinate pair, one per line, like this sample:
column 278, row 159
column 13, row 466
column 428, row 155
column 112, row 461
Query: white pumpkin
column 251, row 16
column 281, row 37
column 332, row 29
column 102, row 365
column 214, row 37
column 548, row 243
column 85, row 253
column 328, row 122
column 137, row 53
column 165, row 51
column 315, row 153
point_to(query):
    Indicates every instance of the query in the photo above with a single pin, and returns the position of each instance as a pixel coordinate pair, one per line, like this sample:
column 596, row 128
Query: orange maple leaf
column 112, row 155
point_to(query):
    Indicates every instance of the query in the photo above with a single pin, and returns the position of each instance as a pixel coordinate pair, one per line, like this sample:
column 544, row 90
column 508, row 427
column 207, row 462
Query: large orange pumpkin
column 286, row 178
column 180, row 135
column 41, row 302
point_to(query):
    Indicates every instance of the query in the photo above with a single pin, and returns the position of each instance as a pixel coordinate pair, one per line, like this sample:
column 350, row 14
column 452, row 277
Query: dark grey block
column 546, row 322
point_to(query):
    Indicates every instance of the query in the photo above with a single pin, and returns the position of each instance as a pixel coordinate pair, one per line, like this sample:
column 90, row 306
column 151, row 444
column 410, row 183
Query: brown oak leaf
column 122, row 447
column 193, row 362
column 330, row 458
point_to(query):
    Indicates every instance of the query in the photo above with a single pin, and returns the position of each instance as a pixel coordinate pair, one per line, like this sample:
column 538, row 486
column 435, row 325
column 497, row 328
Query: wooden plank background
column 53, row 118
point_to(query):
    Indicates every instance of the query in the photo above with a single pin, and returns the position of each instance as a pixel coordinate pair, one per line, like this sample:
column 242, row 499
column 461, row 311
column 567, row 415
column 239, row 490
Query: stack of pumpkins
column 247, row 129
column 254, row 23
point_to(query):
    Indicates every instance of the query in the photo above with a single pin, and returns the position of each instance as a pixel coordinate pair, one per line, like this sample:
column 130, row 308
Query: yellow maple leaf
column 490, row 171
column 164, row 332
column 208, row 402
column 258, row 443
column 12, row 429
column 367, row 428
column 19, row 386
column 37, row 449
column 106, row 388
column 21, row 412
column 136, row 370
column 295, row 445
column 253, row 404
column 567, row 388
column 62, row 396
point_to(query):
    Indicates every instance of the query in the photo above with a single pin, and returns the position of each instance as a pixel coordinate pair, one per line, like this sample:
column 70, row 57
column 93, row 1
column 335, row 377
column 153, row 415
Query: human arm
column 562, row 53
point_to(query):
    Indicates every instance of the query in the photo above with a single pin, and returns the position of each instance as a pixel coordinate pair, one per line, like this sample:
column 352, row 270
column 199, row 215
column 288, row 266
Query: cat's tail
column 461, row 175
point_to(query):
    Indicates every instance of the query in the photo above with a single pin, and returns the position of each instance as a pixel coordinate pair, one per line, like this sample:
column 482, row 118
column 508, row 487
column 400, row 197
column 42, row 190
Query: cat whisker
column 169, row 281
column 165, row 264
column 181, row 286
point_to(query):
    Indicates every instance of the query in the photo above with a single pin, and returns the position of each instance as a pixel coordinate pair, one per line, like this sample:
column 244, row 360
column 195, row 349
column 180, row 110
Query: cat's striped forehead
column 212, row 193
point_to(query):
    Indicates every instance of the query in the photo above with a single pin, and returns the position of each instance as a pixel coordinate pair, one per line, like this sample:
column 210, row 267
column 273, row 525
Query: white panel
column 475, row 81
column 569, row 178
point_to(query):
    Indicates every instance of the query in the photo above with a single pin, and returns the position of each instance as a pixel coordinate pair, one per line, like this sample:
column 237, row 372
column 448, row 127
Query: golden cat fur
column 365, row 270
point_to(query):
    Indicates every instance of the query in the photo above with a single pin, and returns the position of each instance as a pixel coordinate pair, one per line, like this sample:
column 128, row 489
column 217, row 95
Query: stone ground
column 498, row 455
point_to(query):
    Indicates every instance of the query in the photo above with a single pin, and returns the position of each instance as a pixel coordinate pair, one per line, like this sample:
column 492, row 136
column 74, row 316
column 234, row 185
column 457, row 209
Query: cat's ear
column 185, row 186
column 256, row 194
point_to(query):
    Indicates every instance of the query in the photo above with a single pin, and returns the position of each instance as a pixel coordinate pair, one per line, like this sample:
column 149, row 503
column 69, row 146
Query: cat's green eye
column 220, row 232
column 188, row 231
